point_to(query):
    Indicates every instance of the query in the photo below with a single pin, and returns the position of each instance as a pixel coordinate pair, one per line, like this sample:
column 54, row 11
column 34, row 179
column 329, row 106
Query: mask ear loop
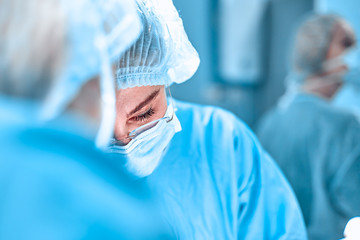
column 178, row 126
column 107, row 87
column 171, row 101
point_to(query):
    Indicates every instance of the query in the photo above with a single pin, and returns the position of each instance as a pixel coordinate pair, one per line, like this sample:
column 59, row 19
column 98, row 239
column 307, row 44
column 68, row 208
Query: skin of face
column 137, row 106
column 343, row 38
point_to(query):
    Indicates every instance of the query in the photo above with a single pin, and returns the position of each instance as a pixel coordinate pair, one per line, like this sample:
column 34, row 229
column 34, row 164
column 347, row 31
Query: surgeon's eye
column 142, row 117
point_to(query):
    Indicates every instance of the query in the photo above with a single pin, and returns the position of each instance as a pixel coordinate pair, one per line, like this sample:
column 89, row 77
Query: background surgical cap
column 162, row 54
column 312, row 42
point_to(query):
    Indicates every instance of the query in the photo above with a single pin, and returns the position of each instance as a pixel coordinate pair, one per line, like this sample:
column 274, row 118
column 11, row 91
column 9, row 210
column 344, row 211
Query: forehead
column 135, row 95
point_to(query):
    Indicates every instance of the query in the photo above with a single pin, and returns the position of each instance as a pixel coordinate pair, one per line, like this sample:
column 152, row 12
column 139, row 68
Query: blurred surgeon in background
column 316, row 144
column 54, row 184
column 348, row 97
column 210, row 175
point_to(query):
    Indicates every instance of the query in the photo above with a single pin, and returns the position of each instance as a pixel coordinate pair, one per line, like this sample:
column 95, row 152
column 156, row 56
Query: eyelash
column 145, row 115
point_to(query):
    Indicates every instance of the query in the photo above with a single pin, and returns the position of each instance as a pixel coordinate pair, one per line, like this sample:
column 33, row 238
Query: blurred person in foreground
column 209, row 173
column 54, row 183
column 316, row 144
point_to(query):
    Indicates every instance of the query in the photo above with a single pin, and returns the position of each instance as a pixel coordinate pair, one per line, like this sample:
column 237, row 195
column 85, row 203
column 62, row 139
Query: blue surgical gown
column 55, row 185
column 318, row 148
column 348, row 98
column 216, row 182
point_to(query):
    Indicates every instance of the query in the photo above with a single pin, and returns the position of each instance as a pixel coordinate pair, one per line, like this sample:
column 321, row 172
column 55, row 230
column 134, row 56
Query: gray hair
column 32, row 46
column 312, row 41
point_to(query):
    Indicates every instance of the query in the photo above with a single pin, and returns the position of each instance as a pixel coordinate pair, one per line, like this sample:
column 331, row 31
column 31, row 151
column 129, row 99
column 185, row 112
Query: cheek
column 159, row 109
column 162, row 106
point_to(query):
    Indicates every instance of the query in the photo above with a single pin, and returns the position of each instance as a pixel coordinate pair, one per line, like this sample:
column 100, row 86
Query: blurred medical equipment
column 240, row 55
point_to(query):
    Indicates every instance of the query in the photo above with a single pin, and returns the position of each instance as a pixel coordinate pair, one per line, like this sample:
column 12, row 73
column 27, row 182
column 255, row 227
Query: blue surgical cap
column 98, row 32
column 162, row 54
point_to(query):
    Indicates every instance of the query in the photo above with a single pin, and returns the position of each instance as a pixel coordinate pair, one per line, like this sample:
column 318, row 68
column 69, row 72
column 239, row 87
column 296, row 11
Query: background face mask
column 348, row 96
column 143, row 154
column 352, row 61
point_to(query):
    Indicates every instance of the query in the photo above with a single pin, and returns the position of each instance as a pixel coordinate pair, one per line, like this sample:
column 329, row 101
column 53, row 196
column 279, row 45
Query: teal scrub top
column 217, row 182
column 317, row 146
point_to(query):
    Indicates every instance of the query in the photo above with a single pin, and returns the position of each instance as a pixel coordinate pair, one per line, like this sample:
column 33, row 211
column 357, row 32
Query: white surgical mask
column 144, row 153
column 350, row 59
column 348, row 96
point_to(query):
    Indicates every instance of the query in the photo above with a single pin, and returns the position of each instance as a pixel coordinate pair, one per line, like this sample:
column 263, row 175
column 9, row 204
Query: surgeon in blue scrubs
column 315, row 143
column 207, row 169
column 54, row 183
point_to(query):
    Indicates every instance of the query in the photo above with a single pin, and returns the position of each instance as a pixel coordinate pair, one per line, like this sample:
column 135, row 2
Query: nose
column 121, row 132
column 124, row 141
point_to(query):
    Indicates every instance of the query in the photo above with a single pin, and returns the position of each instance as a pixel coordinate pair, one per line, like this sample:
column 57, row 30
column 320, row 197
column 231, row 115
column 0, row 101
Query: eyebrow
column 145, row 102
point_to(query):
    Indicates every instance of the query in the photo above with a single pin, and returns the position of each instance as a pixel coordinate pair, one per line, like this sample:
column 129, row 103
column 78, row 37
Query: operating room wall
column 247, row 101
